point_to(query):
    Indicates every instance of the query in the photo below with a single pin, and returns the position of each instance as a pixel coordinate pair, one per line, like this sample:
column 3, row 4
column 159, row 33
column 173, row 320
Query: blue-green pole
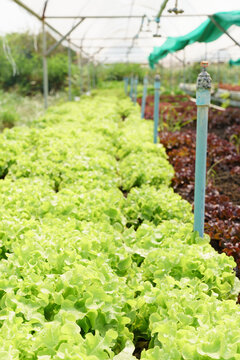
column 126, row 85
column 156, row 107
column 69, row 73
column 203, row 97
column 131, row 88
column 144, row 96
column 135, row 90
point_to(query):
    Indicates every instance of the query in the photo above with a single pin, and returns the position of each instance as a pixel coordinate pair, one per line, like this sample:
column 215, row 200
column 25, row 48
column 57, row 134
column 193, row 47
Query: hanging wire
column 130, row 14
column 35, row 42
column 135, row 37
column 8, row 54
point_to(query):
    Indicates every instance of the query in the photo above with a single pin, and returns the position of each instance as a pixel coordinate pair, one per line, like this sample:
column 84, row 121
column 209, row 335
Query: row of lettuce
column 97, row 252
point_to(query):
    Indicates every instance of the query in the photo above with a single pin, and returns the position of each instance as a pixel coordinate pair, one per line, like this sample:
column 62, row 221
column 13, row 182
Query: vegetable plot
column 98, row 257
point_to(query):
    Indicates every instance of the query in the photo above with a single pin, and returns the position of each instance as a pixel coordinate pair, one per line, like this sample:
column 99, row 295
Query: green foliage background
column 25, row 50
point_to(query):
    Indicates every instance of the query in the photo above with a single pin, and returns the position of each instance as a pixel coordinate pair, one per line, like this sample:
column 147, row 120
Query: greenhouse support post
column 184, row 66
column 93, row 76
column 80, row 72
column 89, row 77
column 218, row 67
column 144, row 96
column 156, row 107
column 69, row 74
column 171, row 72
column 135, row 90
column 131, row 88
column 45, row 69
column 203, row 96
column 126, row 85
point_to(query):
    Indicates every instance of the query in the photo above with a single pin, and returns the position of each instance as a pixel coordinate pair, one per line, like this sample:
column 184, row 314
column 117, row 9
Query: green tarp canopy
column 236, row 62
column 206, row 32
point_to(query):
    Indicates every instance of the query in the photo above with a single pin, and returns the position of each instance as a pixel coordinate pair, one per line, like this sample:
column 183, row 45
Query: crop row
column 98, row 257
column 222, row 215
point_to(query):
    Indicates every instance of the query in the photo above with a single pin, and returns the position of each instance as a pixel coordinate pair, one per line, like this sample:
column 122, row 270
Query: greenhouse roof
column 121, row 31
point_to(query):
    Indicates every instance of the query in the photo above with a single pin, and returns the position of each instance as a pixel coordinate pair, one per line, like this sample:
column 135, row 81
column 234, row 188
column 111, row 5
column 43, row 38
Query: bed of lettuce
column 98, row 257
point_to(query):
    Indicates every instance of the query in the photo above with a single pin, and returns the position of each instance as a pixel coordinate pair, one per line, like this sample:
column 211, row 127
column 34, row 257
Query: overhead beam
column 223, row 30
column 122, row 16
column 117, row 47
column 96, row 17
column 44, row 8
column 114, row 38
column 30, row 11
column 64, row 37
column 176, row 57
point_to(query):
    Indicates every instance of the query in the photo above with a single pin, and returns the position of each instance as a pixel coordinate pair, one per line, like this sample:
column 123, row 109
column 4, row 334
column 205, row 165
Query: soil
column 228, row 184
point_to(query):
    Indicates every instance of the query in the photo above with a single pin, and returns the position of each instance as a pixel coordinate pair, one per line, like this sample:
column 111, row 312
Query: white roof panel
column 112, row 37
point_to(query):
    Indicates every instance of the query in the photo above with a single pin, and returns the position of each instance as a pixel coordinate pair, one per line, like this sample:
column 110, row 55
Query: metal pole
column 96, row 75
column 161, row 69
column 223, row 30
column 203, row 97
column 89, row 79
column 126, row 85
column 135, row 90
column 144, row 96
column 171, row 73
column 54, row 46
column 93, row 75
column 69, row 74
column 156, row 107
column 121, row 16
column 80, row 73
column 45, row 69
column 131, row 88
column 218, row 67
column 184, row 66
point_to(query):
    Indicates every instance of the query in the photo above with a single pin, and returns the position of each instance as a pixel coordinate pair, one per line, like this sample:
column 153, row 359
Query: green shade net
column 236, row 62
column 206, row 32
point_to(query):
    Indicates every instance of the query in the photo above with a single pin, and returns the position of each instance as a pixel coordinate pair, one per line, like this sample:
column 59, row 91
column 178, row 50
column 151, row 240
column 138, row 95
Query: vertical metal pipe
column 184, row 67
column 89, row 78
column 131, row 88
column 236, row 77
column 69, row 73
column 162, row 73
column 80, row 73
column 93, row 76
column 156, row 108
column 135, row 90
column 171, row 73
column 96, row 75
column 45, row 69
column 126, row 85
column 144, row 96
column 218, row 66
column 203, row 97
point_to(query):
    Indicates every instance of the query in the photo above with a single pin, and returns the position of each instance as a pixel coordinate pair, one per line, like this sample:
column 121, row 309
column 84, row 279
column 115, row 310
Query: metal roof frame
column 76, row 47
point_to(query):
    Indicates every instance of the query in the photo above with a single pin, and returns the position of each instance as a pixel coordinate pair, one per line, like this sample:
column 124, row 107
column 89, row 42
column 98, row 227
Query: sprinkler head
column 204, row 64
column 204, row 79
column 176, row 11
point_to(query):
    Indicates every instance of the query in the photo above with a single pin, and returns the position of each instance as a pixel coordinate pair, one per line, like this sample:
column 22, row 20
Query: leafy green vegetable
column 97, row 253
